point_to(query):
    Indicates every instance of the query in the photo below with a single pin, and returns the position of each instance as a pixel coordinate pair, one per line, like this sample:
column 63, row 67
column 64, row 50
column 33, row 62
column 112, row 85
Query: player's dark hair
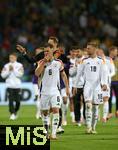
column 60, row 45
column 76, row 47
column 48, row 45
column 14, row 54
column 73, row 47
column 93, row 43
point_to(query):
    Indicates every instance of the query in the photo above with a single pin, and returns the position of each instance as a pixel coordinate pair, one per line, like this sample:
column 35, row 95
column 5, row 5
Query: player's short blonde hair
column 55, row 39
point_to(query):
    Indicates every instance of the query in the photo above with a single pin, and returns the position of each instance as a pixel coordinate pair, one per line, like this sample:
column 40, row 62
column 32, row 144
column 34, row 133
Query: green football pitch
column 74, row 137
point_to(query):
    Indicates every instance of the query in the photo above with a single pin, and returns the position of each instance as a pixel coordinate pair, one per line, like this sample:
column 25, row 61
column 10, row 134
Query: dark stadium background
column 31, row 22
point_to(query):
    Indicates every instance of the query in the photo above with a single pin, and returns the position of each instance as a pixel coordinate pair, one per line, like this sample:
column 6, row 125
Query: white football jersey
column 12, row 78
column 50, row 82
column 80, row 83
column 110, row 67
column 94, row 71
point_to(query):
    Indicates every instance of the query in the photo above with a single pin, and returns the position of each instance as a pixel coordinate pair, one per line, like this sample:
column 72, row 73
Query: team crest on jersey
column 55, row 65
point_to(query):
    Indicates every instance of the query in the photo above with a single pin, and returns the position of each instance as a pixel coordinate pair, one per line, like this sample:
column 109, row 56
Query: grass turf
column 74, row 137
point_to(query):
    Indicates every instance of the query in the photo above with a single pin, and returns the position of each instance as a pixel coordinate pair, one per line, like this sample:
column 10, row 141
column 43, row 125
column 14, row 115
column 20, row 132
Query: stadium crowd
column 30, row 22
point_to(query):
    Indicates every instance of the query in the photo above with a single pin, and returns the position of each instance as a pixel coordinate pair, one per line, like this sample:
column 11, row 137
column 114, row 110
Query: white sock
column 64, row 111
column 38, row 106
column 55, row 123
column 81, row 112
column 45, row 120
column 105, row 109
column 99, row 113
column 36, row 89
column 95, row 116
column 36, row 92
column 88, row 115
column 72, row 114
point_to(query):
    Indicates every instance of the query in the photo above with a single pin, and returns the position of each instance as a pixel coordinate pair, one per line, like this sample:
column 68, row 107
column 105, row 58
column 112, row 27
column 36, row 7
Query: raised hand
column 20, row 48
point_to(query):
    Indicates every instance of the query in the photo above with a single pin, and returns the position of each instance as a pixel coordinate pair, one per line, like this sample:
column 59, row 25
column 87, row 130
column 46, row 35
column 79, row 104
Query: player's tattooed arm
column 40, row 68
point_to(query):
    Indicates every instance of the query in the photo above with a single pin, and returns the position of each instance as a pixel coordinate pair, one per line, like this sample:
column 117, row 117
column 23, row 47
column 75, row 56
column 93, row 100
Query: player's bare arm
column 64, row 77
column 74, row 91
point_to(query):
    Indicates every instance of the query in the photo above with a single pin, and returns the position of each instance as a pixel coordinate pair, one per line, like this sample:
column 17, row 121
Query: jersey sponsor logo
column 55, row 65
